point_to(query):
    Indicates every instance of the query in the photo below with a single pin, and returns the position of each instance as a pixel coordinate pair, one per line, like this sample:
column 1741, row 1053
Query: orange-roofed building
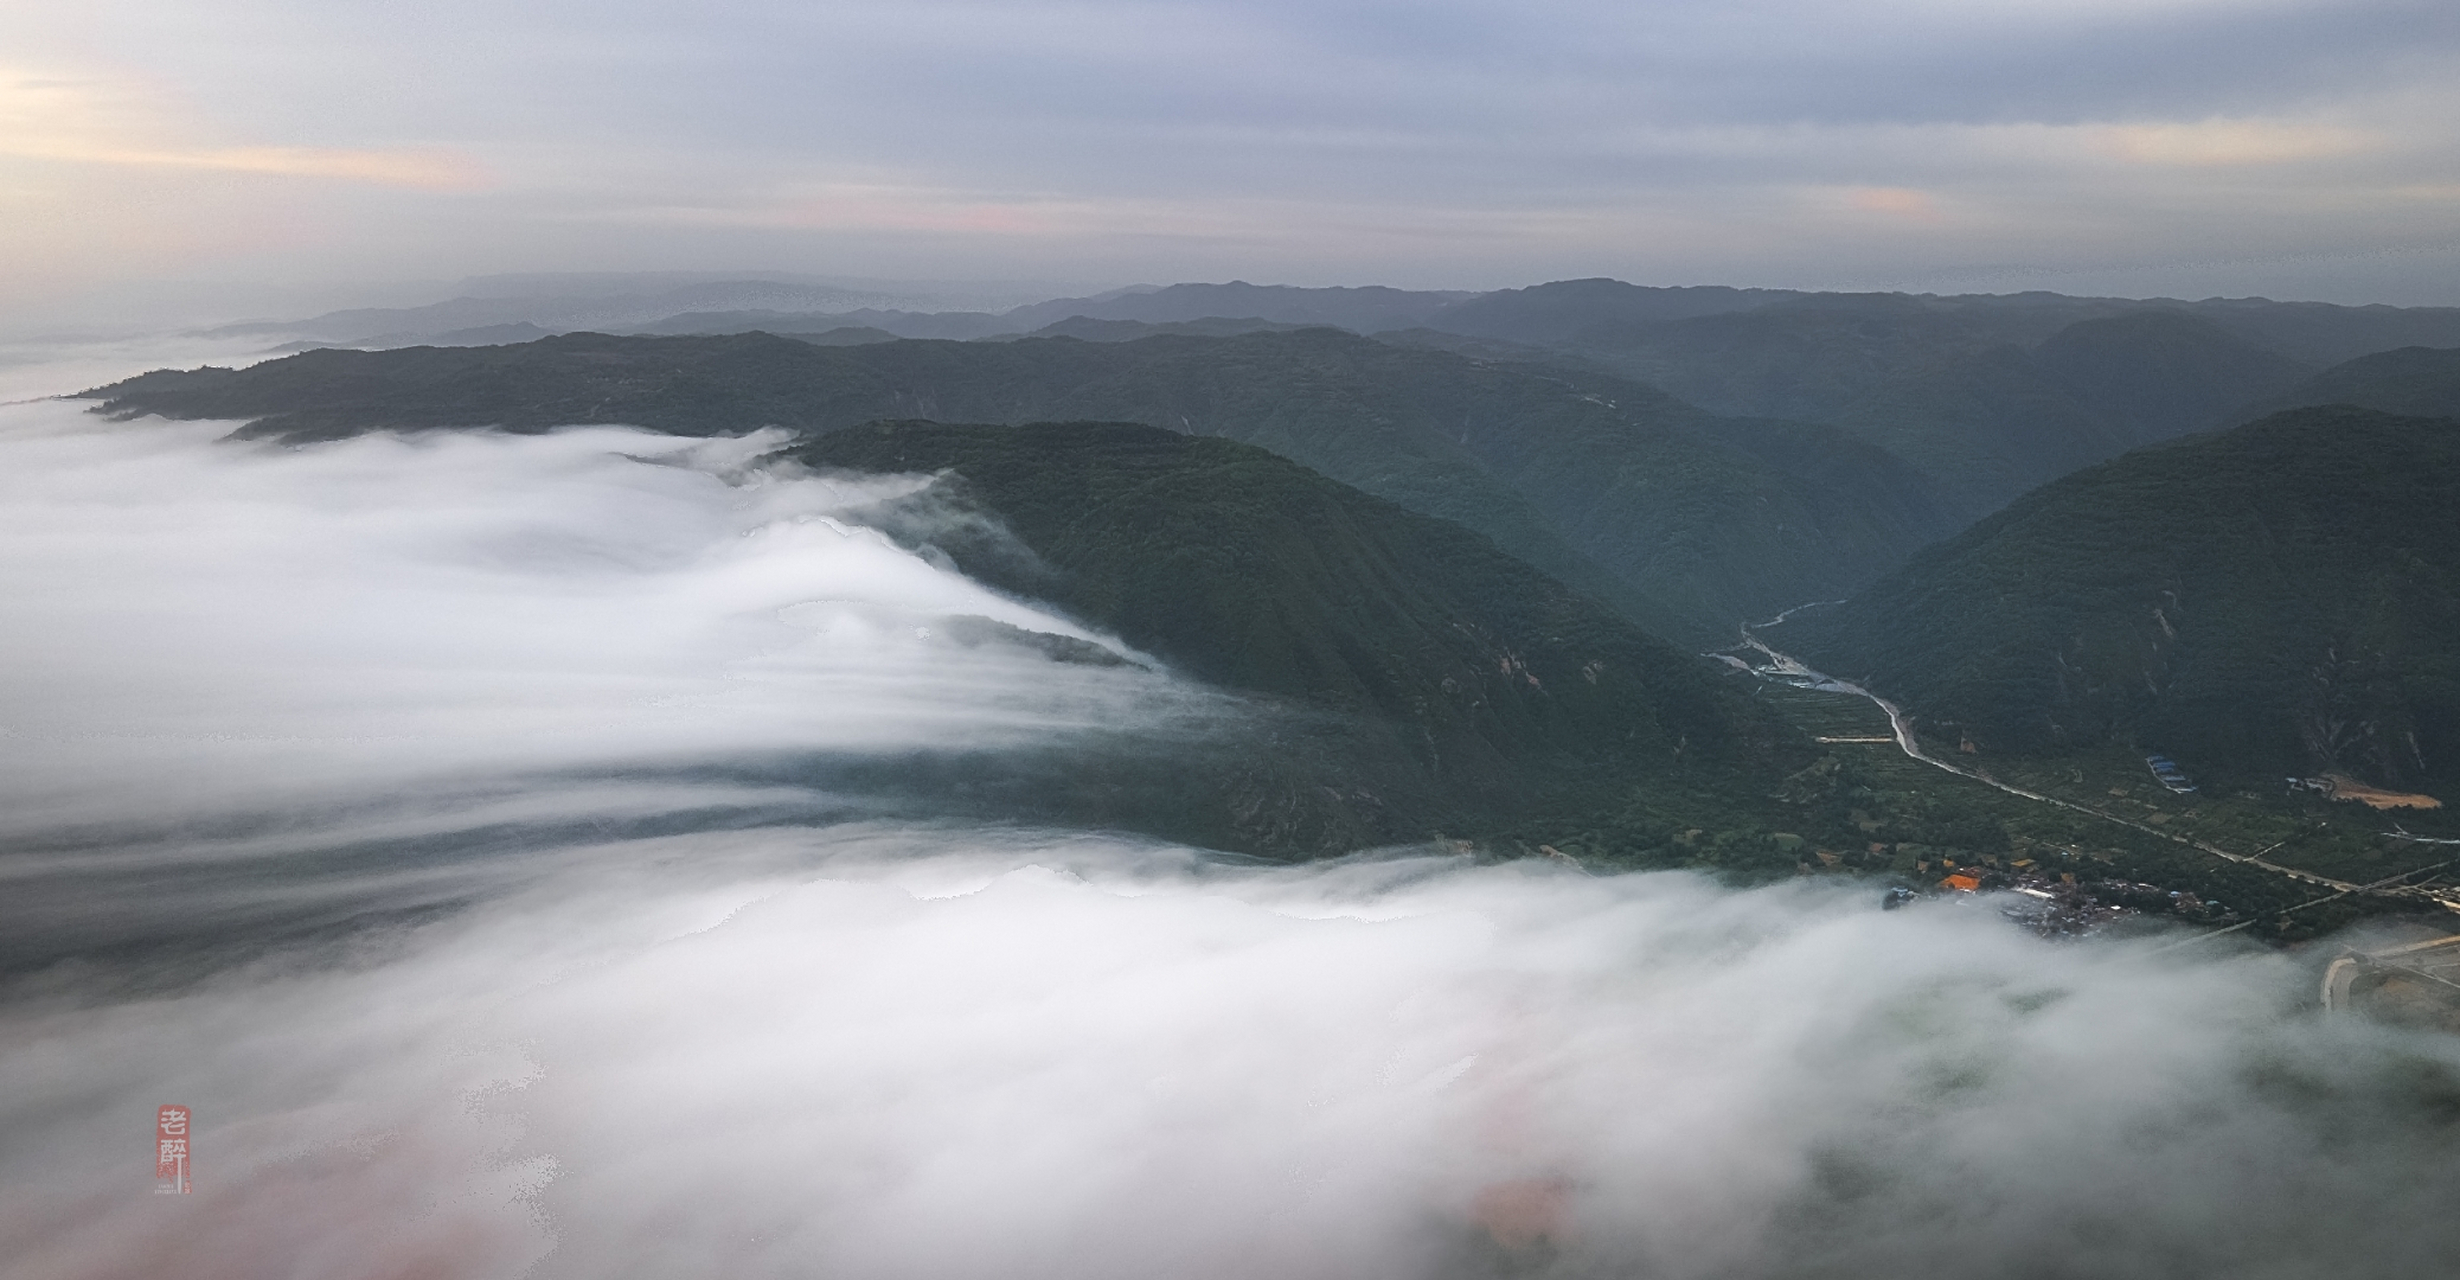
column 1961, row 883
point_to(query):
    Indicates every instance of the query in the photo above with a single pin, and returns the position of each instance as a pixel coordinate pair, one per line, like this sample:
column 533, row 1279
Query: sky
column 312, row 151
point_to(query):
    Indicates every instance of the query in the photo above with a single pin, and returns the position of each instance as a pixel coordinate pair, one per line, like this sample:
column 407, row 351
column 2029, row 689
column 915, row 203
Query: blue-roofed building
column 2166, row 772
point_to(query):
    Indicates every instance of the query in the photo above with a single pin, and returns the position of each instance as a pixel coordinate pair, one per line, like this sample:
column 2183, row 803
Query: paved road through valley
column 1902, row 727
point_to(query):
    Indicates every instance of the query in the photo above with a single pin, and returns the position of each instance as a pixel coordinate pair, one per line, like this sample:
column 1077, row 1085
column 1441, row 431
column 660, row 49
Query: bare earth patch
column 2345, row 787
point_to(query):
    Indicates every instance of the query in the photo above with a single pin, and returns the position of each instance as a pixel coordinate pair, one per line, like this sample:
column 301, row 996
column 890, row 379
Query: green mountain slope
column 2322, row 333
column 2276, row 599
column 1683, row 520
column 1987, row 425
column 1568, row 310
column 1989, row 400
column 1988, row 395
column 1484, row 693
column 2159, row 373
column 1717, row 519
column 1805, row 358
column 1993, row 422
column 2424, row 381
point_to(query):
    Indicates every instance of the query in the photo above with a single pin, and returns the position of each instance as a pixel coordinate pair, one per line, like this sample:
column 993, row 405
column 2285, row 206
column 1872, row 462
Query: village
column 2054, row 902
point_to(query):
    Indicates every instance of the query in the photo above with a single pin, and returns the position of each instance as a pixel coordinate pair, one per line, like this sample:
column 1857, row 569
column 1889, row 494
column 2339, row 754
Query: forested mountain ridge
column 2421, row 381
column 2279, row 598
column 1480, row 692
column 1610, row 316
column 1600, row 313
column 1981, row 399
column 2156, row 374
column 1988, row 394
column 1683, row 519
column 1576, row 311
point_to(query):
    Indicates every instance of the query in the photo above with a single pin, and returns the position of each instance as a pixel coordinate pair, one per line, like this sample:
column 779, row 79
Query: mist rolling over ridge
column 393, row 641
column 597, row 852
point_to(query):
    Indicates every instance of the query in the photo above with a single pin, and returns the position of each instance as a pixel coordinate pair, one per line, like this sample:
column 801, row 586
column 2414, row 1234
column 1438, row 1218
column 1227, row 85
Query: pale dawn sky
column 2298, row 148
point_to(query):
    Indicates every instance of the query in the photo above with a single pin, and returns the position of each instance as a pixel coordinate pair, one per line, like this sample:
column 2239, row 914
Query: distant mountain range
column 1690, row 458
column 1683, row 520
column 1987, row 395
column 798, row 305
column 2414, row 380
column 1430, row 549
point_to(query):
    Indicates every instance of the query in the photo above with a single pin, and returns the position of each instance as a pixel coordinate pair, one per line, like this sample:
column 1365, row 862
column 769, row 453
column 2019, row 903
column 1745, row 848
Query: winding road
column 1902, row 726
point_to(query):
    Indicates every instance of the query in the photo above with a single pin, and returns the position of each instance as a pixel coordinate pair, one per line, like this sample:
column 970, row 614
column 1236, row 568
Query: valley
column 2406, row 875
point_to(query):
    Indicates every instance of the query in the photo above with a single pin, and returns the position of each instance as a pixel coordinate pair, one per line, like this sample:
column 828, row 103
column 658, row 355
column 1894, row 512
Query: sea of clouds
column 379, row 800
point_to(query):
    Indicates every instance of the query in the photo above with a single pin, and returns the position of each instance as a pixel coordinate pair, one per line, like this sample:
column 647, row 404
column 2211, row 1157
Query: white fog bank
column 878, row 1051
column 201, row 626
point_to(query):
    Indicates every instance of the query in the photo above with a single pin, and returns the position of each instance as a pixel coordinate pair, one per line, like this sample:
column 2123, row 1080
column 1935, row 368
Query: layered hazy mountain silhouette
column 1690, row 458
column 1684, row 520
column 1987, row 395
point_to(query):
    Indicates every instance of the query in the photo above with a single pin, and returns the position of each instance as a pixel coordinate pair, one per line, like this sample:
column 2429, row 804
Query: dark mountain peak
column 1563, row 310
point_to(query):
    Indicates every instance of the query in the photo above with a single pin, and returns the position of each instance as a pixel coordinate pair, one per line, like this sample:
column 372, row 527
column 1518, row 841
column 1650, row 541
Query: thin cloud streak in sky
column 2236, row 142
column 79, row 121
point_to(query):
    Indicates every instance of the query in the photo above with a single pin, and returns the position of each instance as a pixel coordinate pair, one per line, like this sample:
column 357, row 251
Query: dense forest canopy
column 2281, row 598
